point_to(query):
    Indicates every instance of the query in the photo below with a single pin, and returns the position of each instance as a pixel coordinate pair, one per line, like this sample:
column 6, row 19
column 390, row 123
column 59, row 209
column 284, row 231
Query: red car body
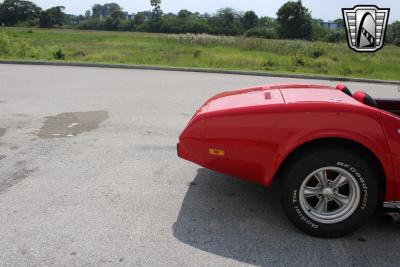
column 250, row 133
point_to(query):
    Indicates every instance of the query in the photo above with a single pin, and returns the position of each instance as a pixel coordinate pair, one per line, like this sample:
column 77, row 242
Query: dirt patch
column 15, row 178
column 71, row 124
column 2, row 131
column 21, row 115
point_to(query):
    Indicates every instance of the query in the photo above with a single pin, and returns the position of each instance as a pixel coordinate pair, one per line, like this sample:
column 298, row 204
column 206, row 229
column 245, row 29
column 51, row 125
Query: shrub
column 24, row 50
column 397, row 41
column 345, row 71
column 317, row 52
column 59, row 54
column 197, row 54
column 268, row 65
column 335, row 36
column 196, row 26
column 78, row 54
column 297, row 60
column 321, row 67
column 262, row 33
column 5, row 45
column 320, row 33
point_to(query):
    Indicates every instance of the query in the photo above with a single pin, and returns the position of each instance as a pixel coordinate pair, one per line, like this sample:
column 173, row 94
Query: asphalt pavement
column 89, row 177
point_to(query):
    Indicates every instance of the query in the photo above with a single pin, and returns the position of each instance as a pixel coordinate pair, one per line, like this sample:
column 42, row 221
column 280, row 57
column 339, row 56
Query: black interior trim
column 389, row 105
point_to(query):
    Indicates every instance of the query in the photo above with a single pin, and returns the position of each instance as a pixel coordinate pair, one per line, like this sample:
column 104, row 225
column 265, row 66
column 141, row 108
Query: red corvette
column 337, row 155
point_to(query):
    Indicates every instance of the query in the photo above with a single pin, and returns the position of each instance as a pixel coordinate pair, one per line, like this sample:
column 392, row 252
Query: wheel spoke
column 312, row 191
column 339, row 181
column 321, row 206
column 340, row 199
column 322, row 178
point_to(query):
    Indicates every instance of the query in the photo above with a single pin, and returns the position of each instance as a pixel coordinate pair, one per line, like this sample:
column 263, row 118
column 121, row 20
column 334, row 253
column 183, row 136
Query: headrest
column 344, row 89
column 365, row 98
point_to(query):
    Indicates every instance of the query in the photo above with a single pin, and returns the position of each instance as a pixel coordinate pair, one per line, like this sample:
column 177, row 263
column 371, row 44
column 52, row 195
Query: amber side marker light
column 216, row 152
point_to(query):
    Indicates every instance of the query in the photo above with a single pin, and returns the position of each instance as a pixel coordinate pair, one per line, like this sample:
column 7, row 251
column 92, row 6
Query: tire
column 329, row 192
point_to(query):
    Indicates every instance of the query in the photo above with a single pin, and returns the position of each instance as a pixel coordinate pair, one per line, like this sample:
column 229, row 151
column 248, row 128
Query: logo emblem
column 366, row 27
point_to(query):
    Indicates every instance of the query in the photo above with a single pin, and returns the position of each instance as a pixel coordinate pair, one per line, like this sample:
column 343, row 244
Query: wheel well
column 346, row 144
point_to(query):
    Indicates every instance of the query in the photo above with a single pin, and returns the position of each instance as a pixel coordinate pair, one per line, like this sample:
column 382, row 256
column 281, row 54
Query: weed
column 197, row 54
column 345, row 71
column 268, row 65
column 59, row 54
column 321, row 67
column 79, row 54
column 317, row 52
column 298, row 60
column 5, row 45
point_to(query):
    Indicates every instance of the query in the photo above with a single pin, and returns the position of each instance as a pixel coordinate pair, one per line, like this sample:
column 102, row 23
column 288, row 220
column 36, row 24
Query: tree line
column 293, row 21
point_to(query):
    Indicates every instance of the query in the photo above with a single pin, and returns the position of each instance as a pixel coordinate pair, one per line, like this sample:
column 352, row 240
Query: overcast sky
column 327, row 10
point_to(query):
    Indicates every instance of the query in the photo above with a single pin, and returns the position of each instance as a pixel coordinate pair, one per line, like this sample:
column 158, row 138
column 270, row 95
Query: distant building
column 126, row 16
column 129, row 16
column 330, row 25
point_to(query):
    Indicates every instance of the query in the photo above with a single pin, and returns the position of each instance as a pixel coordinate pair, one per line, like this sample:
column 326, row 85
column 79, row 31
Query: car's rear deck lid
column 245, row 99
column 316, row 95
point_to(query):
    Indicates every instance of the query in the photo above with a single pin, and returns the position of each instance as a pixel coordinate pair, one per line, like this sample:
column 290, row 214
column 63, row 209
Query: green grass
column 204, row 51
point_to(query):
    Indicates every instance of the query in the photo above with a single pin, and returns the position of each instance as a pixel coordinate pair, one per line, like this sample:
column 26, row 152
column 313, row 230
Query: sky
column 326, row 10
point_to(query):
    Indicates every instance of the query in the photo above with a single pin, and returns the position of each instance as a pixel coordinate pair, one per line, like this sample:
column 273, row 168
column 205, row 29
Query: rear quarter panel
column 258, row 139
column 391, row 126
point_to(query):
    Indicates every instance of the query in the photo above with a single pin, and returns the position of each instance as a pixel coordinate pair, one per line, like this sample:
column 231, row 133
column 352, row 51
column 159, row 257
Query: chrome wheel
column 329, row 195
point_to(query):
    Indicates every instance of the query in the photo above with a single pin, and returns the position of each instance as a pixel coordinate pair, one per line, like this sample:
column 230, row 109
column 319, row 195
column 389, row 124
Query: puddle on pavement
column 71, row 124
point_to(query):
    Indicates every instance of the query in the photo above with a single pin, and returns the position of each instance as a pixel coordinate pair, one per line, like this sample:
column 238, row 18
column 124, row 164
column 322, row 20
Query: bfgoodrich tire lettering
column 329, row 192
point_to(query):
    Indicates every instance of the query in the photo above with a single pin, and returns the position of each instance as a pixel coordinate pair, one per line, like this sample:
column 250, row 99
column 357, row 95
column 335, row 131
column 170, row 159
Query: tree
column 183, row 14
column 320, row 33
column 88, row 14
column 14, row 11
column 226, row 21
column 393, row 33
column 339, row 21
column 196, row 25
column 96, row 10
column 294, row 21
column 170, row 24
column 139, row 18
column 267, row 22
column 52, row 17
column 107, row 10
column 156, row 4
column 117, row 14
column 155, row 23
column 112, row 10
column 249, row 20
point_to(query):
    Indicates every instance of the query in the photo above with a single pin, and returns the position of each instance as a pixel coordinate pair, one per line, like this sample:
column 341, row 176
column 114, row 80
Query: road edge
column 201, row 70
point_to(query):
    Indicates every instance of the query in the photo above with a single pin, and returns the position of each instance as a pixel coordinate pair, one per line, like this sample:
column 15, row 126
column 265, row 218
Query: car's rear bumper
column 178, row 150
column 189, row 154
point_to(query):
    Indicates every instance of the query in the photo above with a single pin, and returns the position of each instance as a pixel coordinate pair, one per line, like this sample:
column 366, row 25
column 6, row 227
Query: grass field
column 204, row 51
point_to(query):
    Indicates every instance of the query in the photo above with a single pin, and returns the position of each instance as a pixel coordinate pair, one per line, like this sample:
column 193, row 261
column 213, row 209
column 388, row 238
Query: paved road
column 89, row 177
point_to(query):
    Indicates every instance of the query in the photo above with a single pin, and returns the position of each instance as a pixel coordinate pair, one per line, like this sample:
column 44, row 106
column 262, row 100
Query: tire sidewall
column 361, row 171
